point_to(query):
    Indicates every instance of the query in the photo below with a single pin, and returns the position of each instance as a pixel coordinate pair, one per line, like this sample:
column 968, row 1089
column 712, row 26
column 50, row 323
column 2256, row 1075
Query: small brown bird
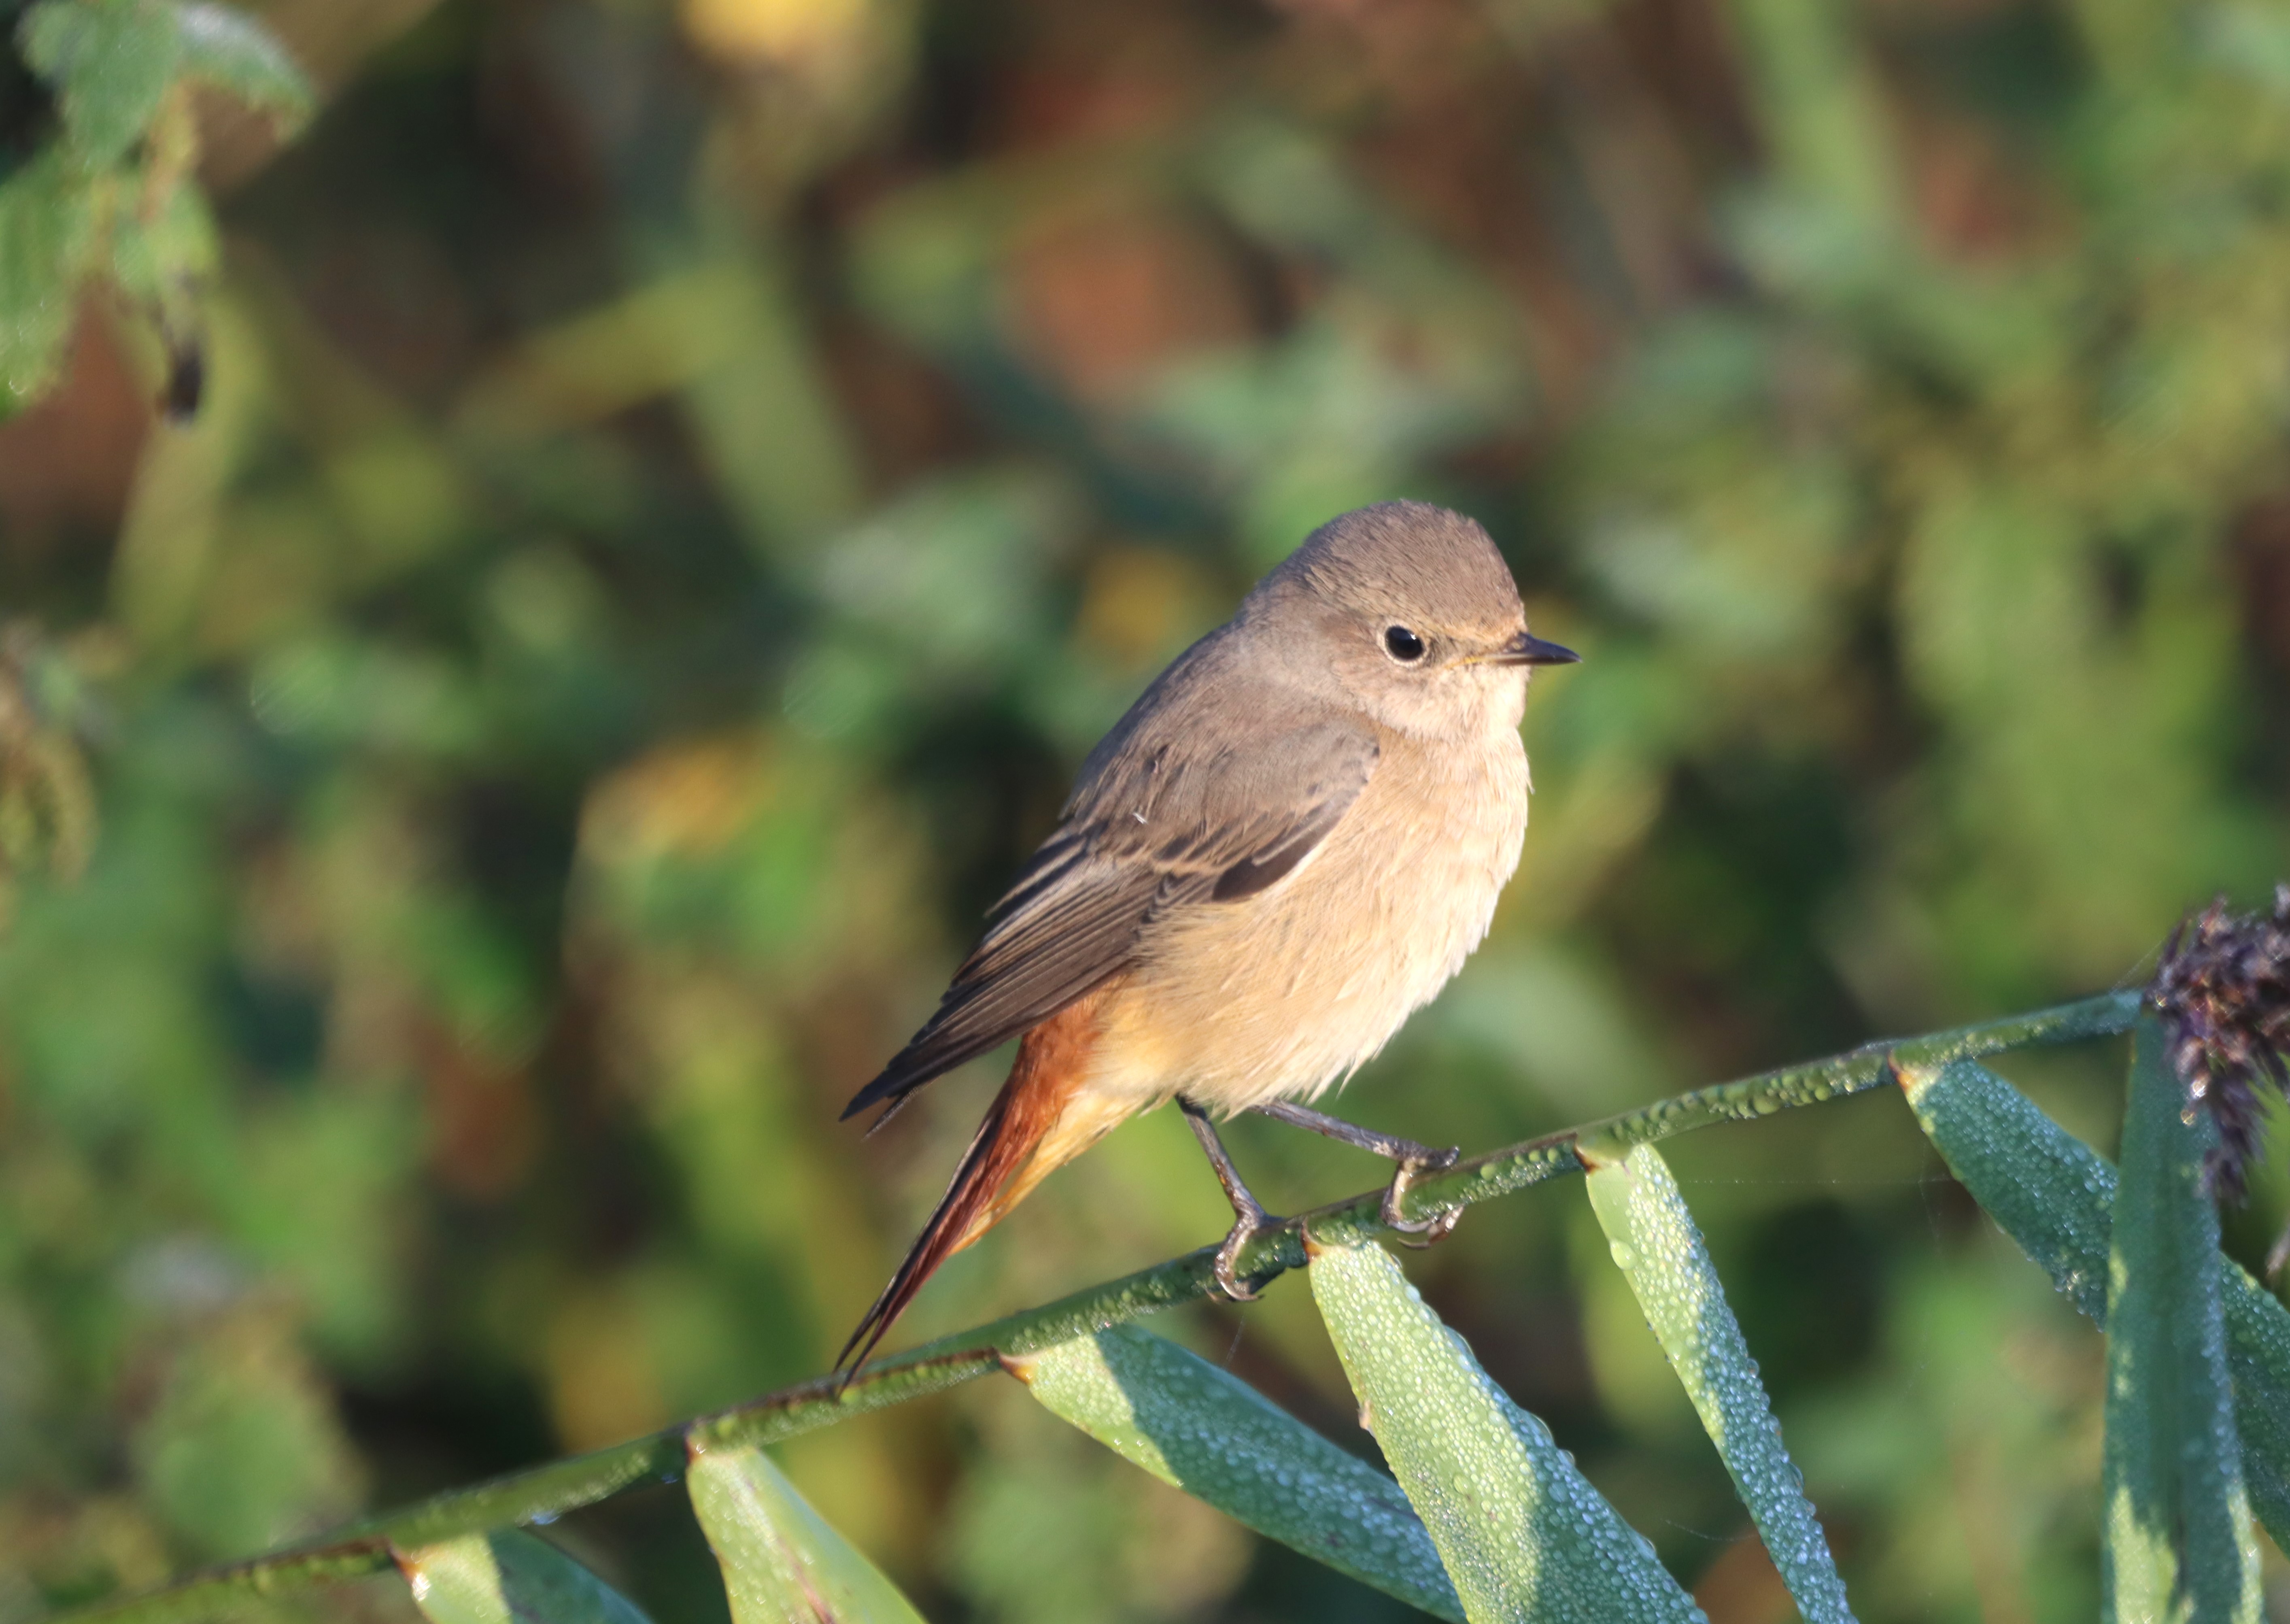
column 1291, row 841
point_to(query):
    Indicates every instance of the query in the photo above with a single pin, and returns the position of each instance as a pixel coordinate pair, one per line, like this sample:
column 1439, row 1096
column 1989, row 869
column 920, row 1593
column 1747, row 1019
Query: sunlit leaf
column 1217, row 1438
column 231, row 51
column 2055, row 1197
column 782, row 1562
column 1657, row 1246
column 508, row 1577
column 111, row 62
column 2177, row 1521
column 2258, row 1363
column 1523, row 1534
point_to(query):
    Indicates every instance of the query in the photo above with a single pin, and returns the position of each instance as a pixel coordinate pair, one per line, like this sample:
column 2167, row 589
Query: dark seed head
column 2223, row 994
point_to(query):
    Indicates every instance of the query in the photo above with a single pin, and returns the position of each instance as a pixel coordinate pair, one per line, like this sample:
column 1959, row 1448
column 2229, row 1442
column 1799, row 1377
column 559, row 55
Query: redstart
column 1291, row 842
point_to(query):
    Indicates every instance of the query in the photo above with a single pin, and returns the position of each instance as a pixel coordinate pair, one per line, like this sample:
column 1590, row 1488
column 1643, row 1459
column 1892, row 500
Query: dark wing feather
column 1136, row 842
column 1263, row 869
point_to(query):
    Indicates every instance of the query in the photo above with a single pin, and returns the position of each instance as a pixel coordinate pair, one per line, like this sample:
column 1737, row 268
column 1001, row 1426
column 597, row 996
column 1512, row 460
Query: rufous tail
column 1041, row 1120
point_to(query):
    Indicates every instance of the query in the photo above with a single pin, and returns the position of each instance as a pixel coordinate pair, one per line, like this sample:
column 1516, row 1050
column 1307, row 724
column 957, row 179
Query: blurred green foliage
column 679, row 488
column 106, row 197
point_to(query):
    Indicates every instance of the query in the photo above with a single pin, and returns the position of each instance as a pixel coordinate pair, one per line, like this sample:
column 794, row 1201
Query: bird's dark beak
column 1529, row 650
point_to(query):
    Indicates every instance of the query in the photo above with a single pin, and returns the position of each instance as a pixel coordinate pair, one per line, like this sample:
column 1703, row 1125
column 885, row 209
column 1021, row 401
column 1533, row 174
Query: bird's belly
column 1286, row 992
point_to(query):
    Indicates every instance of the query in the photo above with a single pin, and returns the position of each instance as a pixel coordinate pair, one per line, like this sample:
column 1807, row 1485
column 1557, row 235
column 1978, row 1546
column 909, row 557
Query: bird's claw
column 1436, row 1228
column 1246, row 1227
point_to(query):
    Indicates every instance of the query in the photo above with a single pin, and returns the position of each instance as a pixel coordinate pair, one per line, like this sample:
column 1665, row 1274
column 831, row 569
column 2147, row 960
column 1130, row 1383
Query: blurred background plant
column 677, row 489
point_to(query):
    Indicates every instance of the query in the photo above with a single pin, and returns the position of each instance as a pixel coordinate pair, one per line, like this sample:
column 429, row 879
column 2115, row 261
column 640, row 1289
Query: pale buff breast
column 1284, row 994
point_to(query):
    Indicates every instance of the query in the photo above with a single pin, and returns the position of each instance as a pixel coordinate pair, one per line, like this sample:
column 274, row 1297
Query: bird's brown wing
column 1149, row 833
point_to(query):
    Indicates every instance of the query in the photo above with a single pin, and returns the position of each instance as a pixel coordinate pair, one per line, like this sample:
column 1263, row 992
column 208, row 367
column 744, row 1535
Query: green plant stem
column 547, row 1490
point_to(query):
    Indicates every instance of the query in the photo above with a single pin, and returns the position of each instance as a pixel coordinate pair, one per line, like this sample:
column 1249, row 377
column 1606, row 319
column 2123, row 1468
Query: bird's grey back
column 1225, row 696
column 1234, row 763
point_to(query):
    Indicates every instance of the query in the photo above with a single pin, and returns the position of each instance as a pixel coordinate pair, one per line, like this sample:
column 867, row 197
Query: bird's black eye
column 1404, row 644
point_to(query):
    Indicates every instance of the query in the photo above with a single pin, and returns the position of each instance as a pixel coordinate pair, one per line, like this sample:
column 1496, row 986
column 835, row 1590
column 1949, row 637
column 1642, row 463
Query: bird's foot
column 1249, row 1217
column 1247, row 1223
column 1413, row 1160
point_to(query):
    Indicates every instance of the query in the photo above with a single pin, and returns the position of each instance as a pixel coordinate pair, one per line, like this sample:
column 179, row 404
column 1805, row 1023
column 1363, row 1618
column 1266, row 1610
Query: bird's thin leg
column 1413, row 1159
column 1248, row 1214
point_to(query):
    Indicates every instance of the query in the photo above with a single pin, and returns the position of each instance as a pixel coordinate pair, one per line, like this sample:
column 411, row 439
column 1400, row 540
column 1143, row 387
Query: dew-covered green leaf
column 2258, row 1364
column 2051, row 1192
column 46, row 228
column 111, row 62
column 508, row 1577
column 1522, row 1533
column 2178, row 1543
column 782, row 1564
column 2055, row 1197
column 1660, row 1250
column 1217, row 1438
